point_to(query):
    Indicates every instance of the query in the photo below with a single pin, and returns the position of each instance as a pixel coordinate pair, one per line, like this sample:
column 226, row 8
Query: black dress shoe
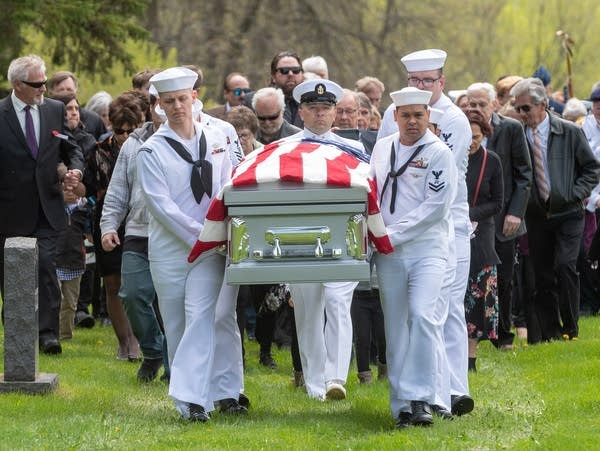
column 266, row 359
column 441, row 412
column 462, row 404
column 403, row 420
column 197, row 413
column 149, row 369
column 421, row 414
column 244, row 400
column 50, row 346
column 84, row 319
column 232, row 406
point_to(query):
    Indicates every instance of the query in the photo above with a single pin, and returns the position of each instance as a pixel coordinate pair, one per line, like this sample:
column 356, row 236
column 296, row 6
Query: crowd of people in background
column 497, row 240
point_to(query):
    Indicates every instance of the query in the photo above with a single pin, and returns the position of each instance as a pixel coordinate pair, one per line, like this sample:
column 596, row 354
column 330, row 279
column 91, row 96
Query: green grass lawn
column 540, row 397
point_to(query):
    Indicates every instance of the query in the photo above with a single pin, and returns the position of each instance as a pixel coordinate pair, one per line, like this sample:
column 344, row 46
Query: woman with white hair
column 99, row 103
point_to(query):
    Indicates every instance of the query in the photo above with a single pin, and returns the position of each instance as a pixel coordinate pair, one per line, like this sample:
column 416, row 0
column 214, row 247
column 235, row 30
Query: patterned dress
column 481, row 298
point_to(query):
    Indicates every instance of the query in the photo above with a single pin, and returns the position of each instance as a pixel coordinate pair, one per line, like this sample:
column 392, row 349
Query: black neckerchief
column 201, row 179
column 395, row 174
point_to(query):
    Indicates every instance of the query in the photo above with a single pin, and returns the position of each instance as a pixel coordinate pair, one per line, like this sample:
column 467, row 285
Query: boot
column 365, row 377
column 381, row 371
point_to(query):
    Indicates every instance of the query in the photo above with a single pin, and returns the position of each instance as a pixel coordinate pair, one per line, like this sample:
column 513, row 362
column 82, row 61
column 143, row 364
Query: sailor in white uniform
column 228, row 366
column 425, row 71
column 325, row 346
column 180, row 168
column 416, row 179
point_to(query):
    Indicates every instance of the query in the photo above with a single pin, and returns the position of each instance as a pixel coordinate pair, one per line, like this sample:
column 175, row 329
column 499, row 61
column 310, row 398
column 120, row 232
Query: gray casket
column 289, row 232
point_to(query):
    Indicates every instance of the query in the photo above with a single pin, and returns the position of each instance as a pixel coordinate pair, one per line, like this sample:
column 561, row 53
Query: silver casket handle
column 294, row 236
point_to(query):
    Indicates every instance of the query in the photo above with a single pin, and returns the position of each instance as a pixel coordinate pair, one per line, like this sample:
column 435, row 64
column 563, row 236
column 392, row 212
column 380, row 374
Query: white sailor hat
column 174, row 79
column 435, row 116
column 423, row 60
column 318, row 90
column 197, row 106
column 410, row 96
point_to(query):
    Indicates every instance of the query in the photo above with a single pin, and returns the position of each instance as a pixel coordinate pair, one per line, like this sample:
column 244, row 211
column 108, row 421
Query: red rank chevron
column 298, row 162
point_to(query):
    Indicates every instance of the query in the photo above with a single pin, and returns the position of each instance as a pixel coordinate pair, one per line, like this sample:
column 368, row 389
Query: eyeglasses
column 35, row 84
column 286, row 70
column 122, row 131
column 523, row 108
column 238, row 91
column 268, row 118
column 426, row 82
column 245, row 135
column 348, row 111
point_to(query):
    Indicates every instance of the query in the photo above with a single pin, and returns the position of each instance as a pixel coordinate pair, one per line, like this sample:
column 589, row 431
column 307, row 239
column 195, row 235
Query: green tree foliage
column 485, row 39
column 88, row 35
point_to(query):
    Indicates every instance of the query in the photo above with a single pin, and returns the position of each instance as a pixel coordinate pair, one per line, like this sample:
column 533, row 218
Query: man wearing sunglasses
column 34, row 141
column 235, row 89
column 564, row 173
column 268, row 104
column 286, row 74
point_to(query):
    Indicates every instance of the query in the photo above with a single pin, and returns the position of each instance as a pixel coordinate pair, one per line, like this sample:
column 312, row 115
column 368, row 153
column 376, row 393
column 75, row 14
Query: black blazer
column 25, row 182
column 509, row 143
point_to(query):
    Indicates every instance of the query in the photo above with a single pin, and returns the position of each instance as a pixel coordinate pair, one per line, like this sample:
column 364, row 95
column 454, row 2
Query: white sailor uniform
column 187, row 293
column 456, row 133
column 410, row 278
column 325, row 347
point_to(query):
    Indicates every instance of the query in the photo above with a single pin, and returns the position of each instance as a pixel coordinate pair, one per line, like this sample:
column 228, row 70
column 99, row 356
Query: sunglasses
column 122, row 131
column 286, row 70
column 523, row 108
column 35, row 84
column 238, row 91
column 268, row 118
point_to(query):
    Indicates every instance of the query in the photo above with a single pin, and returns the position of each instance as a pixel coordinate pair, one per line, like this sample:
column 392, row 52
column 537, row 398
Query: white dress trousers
column 410, row 289
column 325, row 347
column 187, row 296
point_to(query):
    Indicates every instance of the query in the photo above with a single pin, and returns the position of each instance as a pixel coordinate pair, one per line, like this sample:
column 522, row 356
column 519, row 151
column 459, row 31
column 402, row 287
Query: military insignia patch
column 320, row 89
column 420, row 163
column 437, row 185
column 216, row 151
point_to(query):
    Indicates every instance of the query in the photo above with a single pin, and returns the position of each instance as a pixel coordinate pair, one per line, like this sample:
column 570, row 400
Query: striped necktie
column 540, row 175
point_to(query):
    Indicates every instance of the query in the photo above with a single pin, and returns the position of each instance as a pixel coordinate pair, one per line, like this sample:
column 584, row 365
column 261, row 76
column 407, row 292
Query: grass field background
column 541, row 397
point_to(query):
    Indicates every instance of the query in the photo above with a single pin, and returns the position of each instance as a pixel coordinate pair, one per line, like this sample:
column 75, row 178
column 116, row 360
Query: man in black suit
column 508, row 141
column 33, row 141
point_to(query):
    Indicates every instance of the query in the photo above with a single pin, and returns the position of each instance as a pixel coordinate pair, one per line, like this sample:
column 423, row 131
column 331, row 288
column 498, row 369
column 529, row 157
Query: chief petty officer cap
column 318, row 90
column 174, row 79
column 423, row 60
column 410, row 96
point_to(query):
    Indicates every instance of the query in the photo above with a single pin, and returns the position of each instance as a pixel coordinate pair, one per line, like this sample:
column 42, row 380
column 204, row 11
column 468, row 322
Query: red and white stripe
column 297, row 162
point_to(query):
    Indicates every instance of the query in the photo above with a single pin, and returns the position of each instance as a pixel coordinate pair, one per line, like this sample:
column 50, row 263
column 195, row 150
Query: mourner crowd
column 488, row 199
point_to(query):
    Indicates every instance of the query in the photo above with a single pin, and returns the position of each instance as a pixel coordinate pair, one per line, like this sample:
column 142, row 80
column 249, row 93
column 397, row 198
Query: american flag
column 297, row 161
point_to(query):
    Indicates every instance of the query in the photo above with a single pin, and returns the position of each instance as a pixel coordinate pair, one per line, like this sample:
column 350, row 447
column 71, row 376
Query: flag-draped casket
column 296, row 211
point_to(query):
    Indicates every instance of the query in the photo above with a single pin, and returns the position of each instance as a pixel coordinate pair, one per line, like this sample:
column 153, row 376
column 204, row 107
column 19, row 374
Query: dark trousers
column 506, row 253
column 554, row 246
column 294, row 349
column 367, row 324
column 265, row 319
column 48, row 289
